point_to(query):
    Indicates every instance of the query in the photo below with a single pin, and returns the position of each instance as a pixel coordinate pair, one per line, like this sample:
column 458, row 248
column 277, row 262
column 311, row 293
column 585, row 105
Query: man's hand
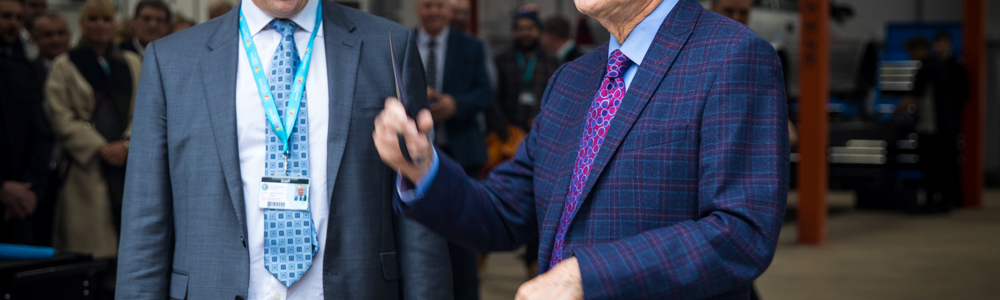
column 115, row 153
column 393, row 121
column 563, row 282
column 18, row 199
column 444, row 108
column 431, row 95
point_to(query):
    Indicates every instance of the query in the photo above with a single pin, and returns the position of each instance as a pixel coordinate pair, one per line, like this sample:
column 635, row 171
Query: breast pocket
column 366, row 113
column 652, row 136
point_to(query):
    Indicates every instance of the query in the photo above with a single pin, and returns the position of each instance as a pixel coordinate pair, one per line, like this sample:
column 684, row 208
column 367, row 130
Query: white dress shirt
column 140, row 49
column 250, row 124
column 423, row 38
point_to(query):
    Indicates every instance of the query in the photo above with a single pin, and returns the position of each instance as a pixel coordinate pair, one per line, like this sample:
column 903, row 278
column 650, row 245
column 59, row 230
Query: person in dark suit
column 151, row 22
column 51, row 34
column 657, row 168
column 524, row 70
column 458, row 87
column 555, row 39
column 940, row 90
column 202, row 145
column 24, row 156
column 458, row 90
column 12, row 48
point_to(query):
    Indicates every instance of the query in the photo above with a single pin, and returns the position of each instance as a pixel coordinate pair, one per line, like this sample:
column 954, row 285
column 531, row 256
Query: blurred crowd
column 484, row 104
column 66, row 119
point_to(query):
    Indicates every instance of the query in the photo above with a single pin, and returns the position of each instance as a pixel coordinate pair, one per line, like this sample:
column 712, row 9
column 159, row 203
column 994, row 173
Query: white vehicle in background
column 853, row 57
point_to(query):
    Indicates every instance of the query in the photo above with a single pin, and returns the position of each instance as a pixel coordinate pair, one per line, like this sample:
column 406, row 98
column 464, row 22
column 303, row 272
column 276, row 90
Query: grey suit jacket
column 184, row 224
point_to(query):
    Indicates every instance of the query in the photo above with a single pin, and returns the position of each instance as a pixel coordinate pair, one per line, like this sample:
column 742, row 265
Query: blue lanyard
column 298, row 83
column 530, row 70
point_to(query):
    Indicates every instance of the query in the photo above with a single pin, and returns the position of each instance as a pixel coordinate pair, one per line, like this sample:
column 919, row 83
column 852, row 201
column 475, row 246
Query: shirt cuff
column 409, row 192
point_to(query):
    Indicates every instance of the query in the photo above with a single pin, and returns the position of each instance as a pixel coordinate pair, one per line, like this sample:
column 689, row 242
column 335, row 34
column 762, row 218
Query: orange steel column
column 814, row 81
column 974, row 114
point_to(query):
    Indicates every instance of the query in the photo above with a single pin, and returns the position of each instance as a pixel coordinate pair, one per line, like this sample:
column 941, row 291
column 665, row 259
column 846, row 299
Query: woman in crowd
column 90, row 95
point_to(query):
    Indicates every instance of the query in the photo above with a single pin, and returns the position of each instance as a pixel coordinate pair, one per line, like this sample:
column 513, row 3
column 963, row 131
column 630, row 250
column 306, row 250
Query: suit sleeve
column 494, row 215
column 742, row 190
column 78, row 138
column 145, row 253
column 423, row 255
column 480, row 97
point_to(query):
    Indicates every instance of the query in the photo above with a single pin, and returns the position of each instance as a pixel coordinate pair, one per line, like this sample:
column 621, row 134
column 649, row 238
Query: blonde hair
column 101, row 6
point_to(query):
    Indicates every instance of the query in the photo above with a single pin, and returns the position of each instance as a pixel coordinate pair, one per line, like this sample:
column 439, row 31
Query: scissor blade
column 400, row 89
column 401, row 95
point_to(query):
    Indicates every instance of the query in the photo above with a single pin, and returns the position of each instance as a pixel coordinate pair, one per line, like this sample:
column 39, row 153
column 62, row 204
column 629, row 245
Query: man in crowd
column 24, row 158
column 11, row 24
column 51, row 35
column 524, row 70
column 25, row 154
column 151, row 22
column 654, row 171
column 938, row 95
column 458, row 89
column 32, row 10
column 211, row 148
column 556, row 41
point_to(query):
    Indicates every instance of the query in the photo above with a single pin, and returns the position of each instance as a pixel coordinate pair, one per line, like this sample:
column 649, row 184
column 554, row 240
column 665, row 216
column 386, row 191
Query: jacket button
column 239, row 298
column 244, row 241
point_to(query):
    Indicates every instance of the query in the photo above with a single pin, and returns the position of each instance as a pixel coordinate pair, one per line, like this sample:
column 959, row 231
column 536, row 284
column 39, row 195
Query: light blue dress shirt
column 641, row 38
column 636, row 45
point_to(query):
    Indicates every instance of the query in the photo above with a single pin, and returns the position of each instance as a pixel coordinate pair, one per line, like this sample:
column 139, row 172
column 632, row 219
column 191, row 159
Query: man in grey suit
column 205, row 154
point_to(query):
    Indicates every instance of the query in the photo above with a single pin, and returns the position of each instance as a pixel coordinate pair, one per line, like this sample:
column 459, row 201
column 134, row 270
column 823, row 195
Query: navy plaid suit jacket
column 687, row 195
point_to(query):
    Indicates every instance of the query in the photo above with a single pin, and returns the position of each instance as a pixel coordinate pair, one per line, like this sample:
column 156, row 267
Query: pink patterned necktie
column 602, row 110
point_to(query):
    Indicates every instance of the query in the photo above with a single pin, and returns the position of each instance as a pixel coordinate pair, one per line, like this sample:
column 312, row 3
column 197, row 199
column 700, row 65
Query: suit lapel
column 218, row 67
column 343, row 52
column 666, row 46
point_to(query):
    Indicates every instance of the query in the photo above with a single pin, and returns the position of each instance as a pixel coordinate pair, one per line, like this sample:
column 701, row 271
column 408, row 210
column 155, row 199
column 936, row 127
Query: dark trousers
column 464, row 270
column 939, row 160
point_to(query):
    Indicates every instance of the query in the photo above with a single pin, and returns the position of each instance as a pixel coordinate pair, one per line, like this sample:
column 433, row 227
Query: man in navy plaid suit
column 657, row 168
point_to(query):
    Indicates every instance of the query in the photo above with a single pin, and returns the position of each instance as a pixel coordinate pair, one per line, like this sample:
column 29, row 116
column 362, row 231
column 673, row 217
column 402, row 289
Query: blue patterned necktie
column 289, row 239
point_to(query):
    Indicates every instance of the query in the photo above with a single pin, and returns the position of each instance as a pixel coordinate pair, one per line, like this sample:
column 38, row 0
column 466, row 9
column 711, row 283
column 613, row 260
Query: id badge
column 284, row 193
column 526, row 98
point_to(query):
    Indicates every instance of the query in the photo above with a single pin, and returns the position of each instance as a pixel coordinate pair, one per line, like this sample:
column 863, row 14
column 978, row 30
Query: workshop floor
column 868, row 255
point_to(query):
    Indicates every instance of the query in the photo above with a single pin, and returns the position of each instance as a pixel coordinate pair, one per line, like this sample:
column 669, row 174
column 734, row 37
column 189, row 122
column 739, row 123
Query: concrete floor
column 868, row 255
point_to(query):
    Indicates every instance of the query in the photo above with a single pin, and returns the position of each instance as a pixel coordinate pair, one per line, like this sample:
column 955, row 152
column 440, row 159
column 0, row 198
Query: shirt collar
column 138, row 47
column 425, row 37
column 641, row 38
column 257, row 19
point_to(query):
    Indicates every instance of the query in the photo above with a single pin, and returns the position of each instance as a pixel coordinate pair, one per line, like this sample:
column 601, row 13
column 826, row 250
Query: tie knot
column 284, row 26
column 617, row 64
column 432, row 43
